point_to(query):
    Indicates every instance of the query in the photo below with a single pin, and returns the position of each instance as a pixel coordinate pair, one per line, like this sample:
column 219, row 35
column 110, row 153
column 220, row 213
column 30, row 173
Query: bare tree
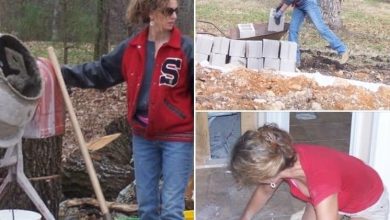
column 103, row 16
column 331, row 10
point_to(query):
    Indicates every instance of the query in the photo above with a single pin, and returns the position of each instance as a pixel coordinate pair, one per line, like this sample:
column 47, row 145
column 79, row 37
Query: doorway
column 332, row 129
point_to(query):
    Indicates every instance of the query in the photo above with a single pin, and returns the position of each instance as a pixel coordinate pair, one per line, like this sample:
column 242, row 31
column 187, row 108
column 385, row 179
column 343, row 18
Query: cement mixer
column 20, row 89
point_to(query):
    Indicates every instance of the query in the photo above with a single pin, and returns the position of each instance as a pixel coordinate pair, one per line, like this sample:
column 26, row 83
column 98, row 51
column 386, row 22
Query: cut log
column 112, row 165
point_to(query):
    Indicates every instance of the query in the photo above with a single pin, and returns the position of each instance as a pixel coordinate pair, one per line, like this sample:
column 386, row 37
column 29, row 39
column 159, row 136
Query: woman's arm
column 328, row 208
column 99, row 74
column 259, row 198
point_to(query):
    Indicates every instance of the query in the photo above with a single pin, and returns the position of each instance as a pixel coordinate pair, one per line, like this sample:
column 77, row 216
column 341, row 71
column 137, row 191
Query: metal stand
column 13, row 159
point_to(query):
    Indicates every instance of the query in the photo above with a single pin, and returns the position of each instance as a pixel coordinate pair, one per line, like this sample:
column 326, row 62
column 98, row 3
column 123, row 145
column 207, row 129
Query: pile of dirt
column 246, row 89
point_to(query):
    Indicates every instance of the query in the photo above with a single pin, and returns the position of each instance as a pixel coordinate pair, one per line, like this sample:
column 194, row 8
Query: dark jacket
column 171, row 94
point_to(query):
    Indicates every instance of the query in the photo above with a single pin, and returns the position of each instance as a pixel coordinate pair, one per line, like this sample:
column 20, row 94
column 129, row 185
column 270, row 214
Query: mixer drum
column 20, row 89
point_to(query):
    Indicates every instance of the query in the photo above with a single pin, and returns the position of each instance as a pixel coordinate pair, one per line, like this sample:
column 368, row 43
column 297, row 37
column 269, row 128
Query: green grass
column 78, row 53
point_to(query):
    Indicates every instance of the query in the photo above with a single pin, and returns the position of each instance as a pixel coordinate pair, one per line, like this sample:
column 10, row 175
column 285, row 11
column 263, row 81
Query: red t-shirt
column 329, row 171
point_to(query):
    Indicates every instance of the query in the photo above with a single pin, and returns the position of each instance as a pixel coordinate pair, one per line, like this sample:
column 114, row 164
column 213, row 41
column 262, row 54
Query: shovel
column 83, row 147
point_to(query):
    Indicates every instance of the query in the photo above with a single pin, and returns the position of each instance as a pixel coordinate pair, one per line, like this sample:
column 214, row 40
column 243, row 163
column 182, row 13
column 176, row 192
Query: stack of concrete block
column 272, row 26
column 254, row 54
column 266, row 54
column 288, row 56
column 237, row 52
column 271, row 54
column 246, row 30
column 218, row 56
column 204, row 44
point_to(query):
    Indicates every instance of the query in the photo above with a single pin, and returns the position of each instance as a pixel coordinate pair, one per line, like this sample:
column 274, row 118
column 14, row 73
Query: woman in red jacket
column 157, row 66
column 331, row 183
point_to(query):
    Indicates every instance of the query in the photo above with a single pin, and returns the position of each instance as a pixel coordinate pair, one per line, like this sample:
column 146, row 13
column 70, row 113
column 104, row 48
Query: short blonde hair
column 262, row 154
column 138, row 10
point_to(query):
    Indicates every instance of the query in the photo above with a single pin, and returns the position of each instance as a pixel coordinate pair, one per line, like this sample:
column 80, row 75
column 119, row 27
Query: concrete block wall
column 255, row 63
column 254, row 49
column 221, row 45
column 242, row 61
column 257, row 55
column 271, row 48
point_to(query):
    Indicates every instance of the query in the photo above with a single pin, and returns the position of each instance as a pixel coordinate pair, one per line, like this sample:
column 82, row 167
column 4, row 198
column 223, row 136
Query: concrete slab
column 237, row 48
column 246, row 30
column 218, row 197
column 238, row 61
column 204, row 43
column 272, row 63
column 201, row 57
column 254, row 49
column 272, row 26
column 271, row 48
column 255, row 63
column 217, row 59
column 287, row 65
column 221, row 45
column 288, row 50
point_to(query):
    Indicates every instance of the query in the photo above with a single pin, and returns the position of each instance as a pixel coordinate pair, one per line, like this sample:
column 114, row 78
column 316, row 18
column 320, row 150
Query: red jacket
column 171, row 92
column 170, row 103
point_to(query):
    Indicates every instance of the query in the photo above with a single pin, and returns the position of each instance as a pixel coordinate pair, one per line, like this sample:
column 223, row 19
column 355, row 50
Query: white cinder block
column 238, row 61
column 287, row 65
column 246, row 30
column 254, row 49
column 271, row 63
column 221, row 45
column 201, row 57
column 217, row 59
column 204, row 43
column 271, row 48
column 288, row 50
column 255, row 63
column 272, row 26
column 237, row 48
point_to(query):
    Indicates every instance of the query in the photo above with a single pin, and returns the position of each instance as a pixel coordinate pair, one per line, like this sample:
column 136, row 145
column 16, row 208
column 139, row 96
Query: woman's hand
column 259, row 198
column 328, row 208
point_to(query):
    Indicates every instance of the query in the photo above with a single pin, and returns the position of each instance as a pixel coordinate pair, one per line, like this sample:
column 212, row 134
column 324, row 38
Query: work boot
column 344, row 57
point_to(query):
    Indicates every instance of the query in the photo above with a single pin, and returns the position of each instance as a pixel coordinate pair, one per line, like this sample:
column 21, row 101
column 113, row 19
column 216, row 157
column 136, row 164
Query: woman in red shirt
column 331, row 183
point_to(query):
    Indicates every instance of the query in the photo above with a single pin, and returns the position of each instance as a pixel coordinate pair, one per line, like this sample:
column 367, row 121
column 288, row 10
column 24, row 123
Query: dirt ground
column 366, row 68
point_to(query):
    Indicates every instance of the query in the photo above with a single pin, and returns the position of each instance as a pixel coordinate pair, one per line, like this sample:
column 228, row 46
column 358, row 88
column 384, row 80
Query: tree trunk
column 54, row 26
column 331, row 10
column 186, row 17
column 103, row 16
column 42, row 165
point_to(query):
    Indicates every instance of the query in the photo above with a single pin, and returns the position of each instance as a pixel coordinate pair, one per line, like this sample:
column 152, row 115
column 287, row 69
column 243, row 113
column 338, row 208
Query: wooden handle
column 83, row 148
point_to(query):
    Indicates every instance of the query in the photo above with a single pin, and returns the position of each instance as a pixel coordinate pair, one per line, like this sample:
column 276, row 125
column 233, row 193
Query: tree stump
column 42, row 165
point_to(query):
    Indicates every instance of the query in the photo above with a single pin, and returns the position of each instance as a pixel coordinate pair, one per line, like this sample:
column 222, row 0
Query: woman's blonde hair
column 260, row 155
column 138, row 10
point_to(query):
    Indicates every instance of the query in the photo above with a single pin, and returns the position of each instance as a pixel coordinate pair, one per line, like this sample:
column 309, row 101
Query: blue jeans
column 311, row 8
column 173, row 162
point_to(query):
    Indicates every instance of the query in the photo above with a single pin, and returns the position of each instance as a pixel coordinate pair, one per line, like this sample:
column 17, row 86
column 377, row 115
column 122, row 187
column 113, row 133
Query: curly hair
column 260, row 155
column 138, row 10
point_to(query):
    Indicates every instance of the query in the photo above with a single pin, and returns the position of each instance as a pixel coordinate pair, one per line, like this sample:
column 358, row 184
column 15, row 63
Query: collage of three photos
column 183, row 110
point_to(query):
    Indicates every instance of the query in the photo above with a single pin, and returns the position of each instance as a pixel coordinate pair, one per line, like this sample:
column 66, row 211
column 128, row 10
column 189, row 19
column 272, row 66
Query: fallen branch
column 113, row 206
